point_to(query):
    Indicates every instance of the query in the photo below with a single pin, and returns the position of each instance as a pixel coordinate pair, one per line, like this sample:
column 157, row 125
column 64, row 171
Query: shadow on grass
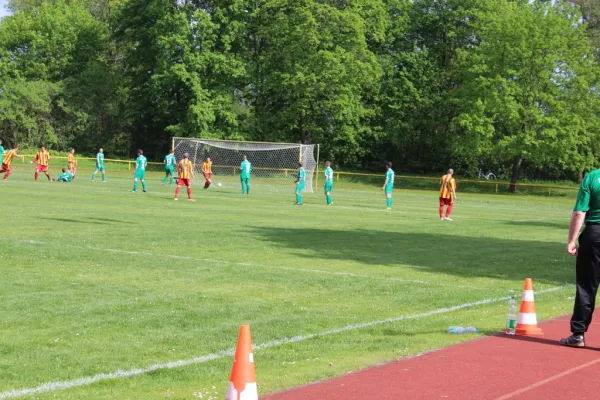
column 73, row 221
column 112, row 220
column 462, row 256
column 542, row 224
column 89, row 220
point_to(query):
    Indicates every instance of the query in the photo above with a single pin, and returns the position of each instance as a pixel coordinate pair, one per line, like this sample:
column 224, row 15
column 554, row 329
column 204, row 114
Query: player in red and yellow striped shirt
column 8, row 157
column 42, row 158
column 207, row 172
column 447, row 194
column 186, row 173
column 72, row 162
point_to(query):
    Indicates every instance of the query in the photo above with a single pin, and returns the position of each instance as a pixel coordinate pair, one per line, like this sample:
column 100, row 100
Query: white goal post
column 273, row 164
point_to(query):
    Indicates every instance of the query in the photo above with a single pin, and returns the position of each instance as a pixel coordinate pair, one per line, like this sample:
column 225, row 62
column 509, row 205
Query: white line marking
column 281, row 267
column 62, row 385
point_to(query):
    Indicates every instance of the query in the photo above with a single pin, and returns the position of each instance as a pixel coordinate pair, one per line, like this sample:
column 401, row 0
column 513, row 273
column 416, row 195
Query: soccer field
column 112, row 295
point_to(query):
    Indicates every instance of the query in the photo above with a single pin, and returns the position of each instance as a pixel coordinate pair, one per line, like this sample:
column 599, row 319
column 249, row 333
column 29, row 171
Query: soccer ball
column 219, row 184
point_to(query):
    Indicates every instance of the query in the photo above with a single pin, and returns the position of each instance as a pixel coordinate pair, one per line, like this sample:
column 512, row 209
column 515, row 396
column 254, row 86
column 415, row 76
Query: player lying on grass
column 7, row 160
column 66, row 176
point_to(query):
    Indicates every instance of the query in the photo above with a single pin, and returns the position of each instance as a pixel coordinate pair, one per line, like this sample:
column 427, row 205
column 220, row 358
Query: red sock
column 35, row 176
column 189, row 192
column 7, row 174
column 442, row 210
column 177, row 191
column 449, row 210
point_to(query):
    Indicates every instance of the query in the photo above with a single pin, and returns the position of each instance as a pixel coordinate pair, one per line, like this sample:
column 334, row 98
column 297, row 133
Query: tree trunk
column 515, row 174
column 579, row 177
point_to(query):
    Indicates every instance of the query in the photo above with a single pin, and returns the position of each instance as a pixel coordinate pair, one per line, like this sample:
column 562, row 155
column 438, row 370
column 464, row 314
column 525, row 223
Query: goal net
column 273, row 164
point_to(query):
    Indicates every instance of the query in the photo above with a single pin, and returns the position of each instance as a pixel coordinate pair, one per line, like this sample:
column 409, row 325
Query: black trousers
column 587, row 273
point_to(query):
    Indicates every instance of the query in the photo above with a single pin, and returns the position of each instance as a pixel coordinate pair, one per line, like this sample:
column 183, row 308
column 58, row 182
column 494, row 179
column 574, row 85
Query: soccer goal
column 273, row 164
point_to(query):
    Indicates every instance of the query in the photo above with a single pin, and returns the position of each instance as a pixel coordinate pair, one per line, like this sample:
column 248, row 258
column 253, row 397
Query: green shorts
column 244, row 178
column 328, row 186
column 100, row 168
column 169, row 170
column 300, row 187
column 140, row 174
column 389, row 189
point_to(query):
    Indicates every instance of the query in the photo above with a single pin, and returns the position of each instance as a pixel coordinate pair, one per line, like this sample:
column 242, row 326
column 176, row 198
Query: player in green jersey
column 388, row 185
column 100, row 165
column 1, row 152
column 328, row 182
column 140, row 171
column 300, row 181
column 170, row 163
column 245, row 170
column 66, row 176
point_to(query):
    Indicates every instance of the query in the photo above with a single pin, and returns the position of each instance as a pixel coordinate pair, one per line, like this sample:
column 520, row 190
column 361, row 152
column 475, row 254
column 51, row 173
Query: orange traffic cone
column 527, row 322
column 242, row 383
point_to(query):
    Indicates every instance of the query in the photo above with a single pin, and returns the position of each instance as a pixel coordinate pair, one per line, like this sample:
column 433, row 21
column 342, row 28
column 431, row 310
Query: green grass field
column 97, row 280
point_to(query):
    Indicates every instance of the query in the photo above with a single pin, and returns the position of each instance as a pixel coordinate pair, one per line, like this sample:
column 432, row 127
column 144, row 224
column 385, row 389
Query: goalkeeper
column 328, row 182
column 300, row 181
column 246, row 169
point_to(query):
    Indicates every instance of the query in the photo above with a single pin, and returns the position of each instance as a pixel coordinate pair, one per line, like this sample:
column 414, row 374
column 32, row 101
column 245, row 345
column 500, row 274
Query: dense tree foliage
column 504, row 84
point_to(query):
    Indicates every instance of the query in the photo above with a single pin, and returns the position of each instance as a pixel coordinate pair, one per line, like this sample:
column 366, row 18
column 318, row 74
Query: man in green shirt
column 388, row 185
column 1, row 152
column 300, row 181
column 170, row 163
column 245, row 170
column 328, row 182
column 100, row 165
column 587, row 266
column 66, row 176
column 140, row 171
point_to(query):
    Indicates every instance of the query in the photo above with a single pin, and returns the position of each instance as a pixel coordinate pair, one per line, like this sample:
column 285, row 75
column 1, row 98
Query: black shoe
column 573, row 341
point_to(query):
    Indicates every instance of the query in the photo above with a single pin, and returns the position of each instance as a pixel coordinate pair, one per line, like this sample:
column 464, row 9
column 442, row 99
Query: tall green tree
column 526, row 91
column 179, row 61
column 48, row 51
column 314, row 78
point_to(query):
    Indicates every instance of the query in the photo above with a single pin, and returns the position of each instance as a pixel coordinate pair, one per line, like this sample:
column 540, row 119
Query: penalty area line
column 278, row 267
column 119, row 374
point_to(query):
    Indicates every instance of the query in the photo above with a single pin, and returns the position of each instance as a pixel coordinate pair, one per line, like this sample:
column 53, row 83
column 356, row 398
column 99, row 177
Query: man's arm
column 577, row 219
column 385, row 183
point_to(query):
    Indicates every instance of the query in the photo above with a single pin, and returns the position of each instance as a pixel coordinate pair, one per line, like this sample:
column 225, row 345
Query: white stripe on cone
column 250, row 392
column 528, row 295
column 527, row 319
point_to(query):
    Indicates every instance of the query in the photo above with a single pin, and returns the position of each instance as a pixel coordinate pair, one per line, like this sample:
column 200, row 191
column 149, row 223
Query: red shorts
column 43, row 168
column 182, row 182
column 207, row 176
column 446, row 202
column 5, row 167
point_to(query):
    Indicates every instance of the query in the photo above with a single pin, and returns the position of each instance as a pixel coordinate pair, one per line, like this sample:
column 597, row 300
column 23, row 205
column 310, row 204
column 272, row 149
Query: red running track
column 495, row 367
